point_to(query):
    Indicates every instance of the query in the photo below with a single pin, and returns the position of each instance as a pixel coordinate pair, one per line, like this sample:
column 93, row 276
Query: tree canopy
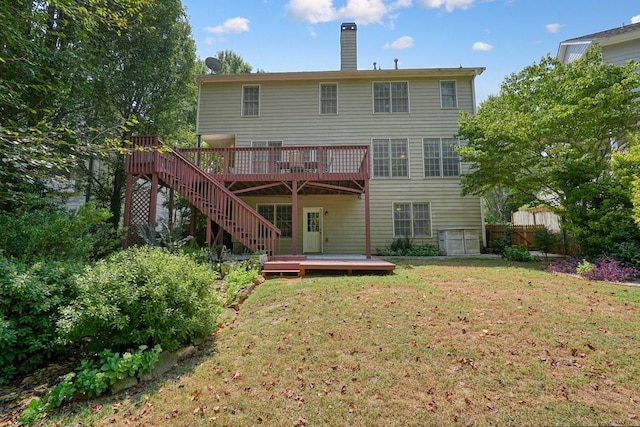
column 549, row 136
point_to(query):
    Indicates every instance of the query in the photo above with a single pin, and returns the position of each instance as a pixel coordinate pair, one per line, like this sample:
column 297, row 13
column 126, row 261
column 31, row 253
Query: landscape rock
column 166, row 361
column 124, row 384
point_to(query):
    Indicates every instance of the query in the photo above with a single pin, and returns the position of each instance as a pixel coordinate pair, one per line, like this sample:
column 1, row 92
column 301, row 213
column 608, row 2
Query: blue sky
column 304, row 35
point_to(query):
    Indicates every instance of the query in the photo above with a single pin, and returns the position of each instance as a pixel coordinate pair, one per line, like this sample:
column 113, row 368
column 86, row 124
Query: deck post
column 128, row 199
column 153, row 201
column 294, row 218
column 367, row 219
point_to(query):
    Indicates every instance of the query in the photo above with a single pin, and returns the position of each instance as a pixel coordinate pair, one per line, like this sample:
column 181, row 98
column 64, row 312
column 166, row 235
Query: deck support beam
column 367, row 219
column 294, row 219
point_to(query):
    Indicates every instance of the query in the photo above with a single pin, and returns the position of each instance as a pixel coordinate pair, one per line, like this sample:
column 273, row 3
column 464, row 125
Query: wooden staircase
column 152, row 160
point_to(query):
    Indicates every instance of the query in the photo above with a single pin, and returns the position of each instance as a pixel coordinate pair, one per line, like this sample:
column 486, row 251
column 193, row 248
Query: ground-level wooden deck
column 299, row 265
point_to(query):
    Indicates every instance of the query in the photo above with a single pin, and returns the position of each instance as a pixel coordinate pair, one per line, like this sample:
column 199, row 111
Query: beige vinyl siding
column 289, row 112
column 621, row 53
column 343, row 228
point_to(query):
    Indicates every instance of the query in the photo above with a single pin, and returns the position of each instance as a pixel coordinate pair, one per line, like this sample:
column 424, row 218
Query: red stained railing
column 349, row 162
column 149, row 156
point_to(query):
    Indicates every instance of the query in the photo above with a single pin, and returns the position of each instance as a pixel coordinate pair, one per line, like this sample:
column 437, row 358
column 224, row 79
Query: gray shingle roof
column 625, row 28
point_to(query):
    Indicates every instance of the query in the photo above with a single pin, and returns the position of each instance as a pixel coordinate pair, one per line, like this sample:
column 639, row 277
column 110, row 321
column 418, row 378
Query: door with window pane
column 312, row 232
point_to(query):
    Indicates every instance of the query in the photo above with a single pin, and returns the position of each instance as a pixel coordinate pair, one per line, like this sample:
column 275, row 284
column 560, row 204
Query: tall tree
column 40, row 73
column 548, row 138
column 232, row 63
column 143, row 78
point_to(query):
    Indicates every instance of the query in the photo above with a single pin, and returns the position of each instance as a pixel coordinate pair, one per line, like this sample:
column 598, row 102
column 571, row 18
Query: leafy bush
column 584, row 267
column 603, row 268
column 142, row 296
column 55, row 234
column 92, row 379
column 401, row 244
column 497, row 246
column 628, row 253
column 404, row 247
column 545, row 240
column 30, row 299
column 237, row 277
column 610, row 270
column 517, row 253
column 566, row 266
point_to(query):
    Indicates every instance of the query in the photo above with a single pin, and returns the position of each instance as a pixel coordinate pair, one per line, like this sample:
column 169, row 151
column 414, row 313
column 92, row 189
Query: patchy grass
column 462, row 342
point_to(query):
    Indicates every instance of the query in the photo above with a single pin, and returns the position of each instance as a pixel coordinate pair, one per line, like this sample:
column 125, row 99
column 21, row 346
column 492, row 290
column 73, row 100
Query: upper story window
column 391, row 97
column 390, row 158
column 440, row 157
column 328, row 98
column 448, row 94
column 411, row 219
column 250, row 100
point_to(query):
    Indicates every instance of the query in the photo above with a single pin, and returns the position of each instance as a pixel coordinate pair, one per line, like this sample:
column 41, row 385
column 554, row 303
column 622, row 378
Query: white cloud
column 482, row 46
column 448, row 5
column 403, row 42
column 635, row 19
column 233, row 25
column 361, row 11
column 312, row 31
column 553, row 28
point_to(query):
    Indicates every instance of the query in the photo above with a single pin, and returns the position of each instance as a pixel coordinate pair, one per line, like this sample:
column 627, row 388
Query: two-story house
column 343, row 162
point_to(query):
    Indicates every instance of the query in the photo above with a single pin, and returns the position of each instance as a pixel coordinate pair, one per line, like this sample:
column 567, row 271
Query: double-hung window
column 390, row 97
column 279, row 215
column 328, row 98
column 390, row 158
column 448, row 94
column 412, row 219
column 440, row 157
column 250, row 101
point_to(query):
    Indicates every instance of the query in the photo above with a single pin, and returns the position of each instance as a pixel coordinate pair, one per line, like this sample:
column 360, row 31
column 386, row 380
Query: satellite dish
column 213, row 64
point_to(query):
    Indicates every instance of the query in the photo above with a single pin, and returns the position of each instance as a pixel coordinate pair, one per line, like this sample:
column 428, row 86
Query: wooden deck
column 300, row 265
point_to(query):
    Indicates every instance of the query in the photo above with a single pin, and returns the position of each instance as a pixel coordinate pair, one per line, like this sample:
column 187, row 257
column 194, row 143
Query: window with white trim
column 412, row 219
column 250, row 101
column 448, row 94
column 328, row 98
column 390, row 97
column 280, row 215
column 390, row 158
column 440, row 157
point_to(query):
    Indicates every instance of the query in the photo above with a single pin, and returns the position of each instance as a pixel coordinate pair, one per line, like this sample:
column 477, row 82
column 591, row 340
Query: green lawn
column 454, row 342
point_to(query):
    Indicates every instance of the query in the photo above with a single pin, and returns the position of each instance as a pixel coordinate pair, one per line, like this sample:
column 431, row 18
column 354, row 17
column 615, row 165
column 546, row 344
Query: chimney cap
column 349, row 26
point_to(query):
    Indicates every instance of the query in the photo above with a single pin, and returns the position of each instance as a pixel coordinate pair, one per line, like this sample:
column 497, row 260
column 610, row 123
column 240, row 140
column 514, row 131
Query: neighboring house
column 342, row 161
column 618, row 45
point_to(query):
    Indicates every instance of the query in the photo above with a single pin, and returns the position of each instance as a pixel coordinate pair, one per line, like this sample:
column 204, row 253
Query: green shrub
column 142, row 296
column 30, row 299
column 584, row 267
column 497, row 246
column 545, row 240
column 401, row 244
column 404, row 247
column 237, row 277
column 517, row 253
column 628, row 253
column 55, row 234
column 92, row 379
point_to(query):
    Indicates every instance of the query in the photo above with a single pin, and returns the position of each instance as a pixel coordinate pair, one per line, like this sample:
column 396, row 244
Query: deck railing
column 205, row 193
column 278, row 163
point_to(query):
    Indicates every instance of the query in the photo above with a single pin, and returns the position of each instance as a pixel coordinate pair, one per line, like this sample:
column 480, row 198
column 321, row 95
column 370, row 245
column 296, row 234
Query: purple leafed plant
column 567, row 266
column 604, row 268
column 610, row 270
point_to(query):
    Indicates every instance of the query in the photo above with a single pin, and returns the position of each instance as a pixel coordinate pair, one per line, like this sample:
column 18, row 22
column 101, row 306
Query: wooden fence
column 522, row 235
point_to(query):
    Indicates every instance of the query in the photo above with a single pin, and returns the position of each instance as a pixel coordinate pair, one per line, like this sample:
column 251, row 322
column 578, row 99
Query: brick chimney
column 348, row 46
